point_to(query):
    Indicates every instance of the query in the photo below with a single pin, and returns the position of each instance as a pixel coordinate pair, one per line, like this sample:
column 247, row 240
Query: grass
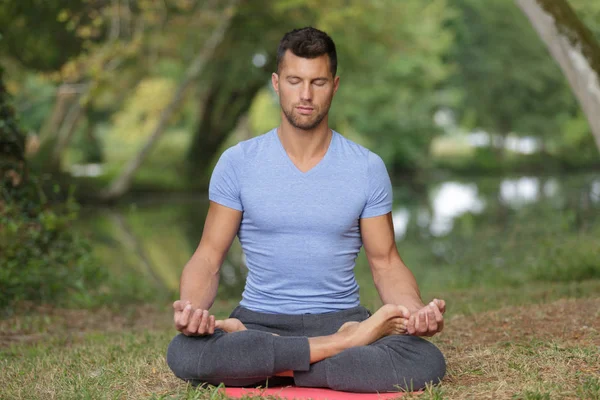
column 545, row 348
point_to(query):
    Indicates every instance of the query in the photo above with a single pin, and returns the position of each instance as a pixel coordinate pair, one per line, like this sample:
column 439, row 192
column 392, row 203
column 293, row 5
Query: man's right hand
column 192, row 322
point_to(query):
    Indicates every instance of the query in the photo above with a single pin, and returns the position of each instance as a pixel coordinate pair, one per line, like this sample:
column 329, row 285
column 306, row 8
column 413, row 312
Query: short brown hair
column 308, row 42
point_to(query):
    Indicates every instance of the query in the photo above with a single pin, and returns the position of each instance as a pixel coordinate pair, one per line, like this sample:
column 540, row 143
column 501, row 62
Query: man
column 303, row 199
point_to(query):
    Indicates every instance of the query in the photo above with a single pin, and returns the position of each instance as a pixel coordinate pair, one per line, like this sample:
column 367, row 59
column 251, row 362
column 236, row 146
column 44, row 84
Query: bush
column 42, row 259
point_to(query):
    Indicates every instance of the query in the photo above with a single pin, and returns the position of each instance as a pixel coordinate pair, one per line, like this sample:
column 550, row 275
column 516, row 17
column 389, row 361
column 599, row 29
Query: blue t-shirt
column 300, row 231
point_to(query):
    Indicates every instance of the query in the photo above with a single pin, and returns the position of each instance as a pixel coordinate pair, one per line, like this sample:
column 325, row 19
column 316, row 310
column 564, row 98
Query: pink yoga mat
column 301, row 393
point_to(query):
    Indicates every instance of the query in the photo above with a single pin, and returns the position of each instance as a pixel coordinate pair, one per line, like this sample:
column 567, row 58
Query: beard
column 296, row 122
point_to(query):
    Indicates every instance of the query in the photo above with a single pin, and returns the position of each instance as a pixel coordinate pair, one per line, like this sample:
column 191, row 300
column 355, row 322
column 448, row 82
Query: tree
column 503, row 71
column 575, row 49
column 42, row 257
column 390, row 64
column 121, row 184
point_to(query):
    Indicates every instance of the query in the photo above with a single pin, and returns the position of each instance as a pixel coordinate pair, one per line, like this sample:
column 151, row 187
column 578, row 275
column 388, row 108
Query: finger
column 194, row 321
column 441, row 304
column 439, row 318
column 202, row 327
column 422, row 318
column 177, row 312
column 177, row 305
column 211, row 325
column 417, row 323
column 181, row 318
column 432, row 325
column 186, row 314
column 411, row 326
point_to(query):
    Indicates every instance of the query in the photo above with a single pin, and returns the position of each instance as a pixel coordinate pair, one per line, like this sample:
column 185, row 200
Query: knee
column 183, row 357
column 434, row 363
column 177, row 360
column 418, row 363
column 430, row 365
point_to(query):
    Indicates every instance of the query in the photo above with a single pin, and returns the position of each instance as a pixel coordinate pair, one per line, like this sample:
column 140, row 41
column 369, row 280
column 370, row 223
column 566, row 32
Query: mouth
column 305, row 110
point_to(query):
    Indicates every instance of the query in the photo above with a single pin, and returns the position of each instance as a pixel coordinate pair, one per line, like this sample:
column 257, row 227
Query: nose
column 306, row 93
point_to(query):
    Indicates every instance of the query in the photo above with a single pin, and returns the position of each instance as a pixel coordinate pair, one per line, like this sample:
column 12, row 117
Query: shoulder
column 240, row 153
column 250, row 147
column 366, row 157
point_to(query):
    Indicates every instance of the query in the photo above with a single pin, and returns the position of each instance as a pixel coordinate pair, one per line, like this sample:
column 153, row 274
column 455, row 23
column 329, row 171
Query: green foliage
column 39, row 33
column 43, row 259
column 567, row 259
column 509, row 80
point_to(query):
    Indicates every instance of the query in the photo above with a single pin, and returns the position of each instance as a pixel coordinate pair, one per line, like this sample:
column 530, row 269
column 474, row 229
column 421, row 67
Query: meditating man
column 303, row 200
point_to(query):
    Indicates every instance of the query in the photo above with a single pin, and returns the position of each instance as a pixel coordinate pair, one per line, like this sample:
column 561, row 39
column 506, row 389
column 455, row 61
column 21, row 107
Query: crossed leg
column 368, row 356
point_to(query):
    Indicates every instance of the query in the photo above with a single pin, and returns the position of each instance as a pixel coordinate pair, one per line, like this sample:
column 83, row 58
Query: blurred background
column 115, row 111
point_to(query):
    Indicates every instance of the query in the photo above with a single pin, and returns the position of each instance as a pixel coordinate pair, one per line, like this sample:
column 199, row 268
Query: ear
column 275, row 82
column 336, row 84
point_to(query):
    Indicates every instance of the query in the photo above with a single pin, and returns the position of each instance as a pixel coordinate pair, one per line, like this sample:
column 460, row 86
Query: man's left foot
column 230, row 325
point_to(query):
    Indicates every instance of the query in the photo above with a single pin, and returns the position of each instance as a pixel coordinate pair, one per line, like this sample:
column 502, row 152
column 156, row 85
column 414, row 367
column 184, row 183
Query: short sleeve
column 224, row 187
column 379, row 192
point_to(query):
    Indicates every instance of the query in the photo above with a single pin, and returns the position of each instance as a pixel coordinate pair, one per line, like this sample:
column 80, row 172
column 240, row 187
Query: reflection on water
column 400, row 218
column 517, row 192
column 448, row 201
column 157, row 238
column 451, row 200
column 595, row 191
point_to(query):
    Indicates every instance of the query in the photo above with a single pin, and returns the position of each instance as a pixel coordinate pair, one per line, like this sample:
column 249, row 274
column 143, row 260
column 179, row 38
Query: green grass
column 116, row 355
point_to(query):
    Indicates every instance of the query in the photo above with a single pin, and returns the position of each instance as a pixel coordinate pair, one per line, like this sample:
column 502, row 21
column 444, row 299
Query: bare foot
column 230, row 325
column 348, row 325
column 388, row 320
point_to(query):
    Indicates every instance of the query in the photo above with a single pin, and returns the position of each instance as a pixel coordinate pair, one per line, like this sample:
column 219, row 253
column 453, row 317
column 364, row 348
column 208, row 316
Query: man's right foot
column 388, row 320
column 230, row 325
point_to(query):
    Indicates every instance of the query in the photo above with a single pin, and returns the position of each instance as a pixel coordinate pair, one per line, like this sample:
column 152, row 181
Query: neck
column 304, row 144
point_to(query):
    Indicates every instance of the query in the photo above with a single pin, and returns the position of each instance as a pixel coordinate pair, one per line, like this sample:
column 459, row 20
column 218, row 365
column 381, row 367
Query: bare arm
column 200, row 276
column 395, row 283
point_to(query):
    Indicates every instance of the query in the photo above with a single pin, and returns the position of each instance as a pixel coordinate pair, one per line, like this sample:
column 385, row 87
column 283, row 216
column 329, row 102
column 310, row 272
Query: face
column 305, row 88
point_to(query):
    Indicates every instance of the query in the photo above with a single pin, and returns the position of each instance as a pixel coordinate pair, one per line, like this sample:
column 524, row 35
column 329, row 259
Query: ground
column 542, row 351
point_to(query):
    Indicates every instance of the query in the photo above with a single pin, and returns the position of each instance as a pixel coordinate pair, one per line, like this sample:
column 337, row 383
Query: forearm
column 396, row 284
column 199, row 281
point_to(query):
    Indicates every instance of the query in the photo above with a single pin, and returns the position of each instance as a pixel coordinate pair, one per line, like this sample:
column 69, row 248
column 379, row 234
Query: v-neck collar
column 318, row 166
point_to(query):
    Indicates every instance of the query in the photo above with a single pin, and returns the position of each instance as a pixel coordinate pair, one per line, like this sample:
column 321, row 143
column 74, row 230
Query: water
column 451, row 233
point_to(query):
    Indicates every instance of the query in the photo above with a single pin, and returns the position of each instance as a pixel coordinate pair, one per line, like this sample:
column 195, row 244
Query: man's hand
column 427, row 321
column 192, row 322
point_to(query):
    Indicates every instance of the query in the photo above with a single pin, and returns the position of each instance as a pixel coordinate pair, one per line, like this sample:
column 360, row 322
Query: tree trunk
column 64, row 96
column 121, row 184
column 220, row 112
column 65, row 133
column 574, row 48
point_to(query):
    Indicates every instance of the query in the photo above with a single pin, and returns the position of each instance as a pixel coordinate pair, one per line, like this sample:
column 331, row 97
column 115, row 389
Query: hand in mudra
column 429, row 320
column 200, row 322
column 192, row 322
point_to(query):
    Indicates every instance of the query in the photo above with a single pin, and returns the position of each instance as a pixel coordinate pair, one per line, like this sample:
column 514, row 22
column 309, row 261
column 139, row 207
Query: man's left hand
column 427, row 321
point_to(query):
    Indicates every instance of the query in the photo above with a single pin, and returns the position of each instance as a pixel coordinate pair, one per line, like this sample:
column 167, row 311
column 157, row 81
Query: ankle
column 345, row 339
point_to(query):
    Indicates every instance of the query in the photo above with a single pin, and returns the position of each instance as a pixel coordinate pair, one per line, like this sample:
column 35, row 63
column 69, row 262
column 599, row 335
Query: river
column 471, row 227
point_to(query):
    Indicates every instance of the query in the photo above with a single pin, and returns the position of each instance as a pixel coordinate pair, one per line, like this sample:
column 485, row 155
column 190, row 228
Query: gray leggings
column 251, row 357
